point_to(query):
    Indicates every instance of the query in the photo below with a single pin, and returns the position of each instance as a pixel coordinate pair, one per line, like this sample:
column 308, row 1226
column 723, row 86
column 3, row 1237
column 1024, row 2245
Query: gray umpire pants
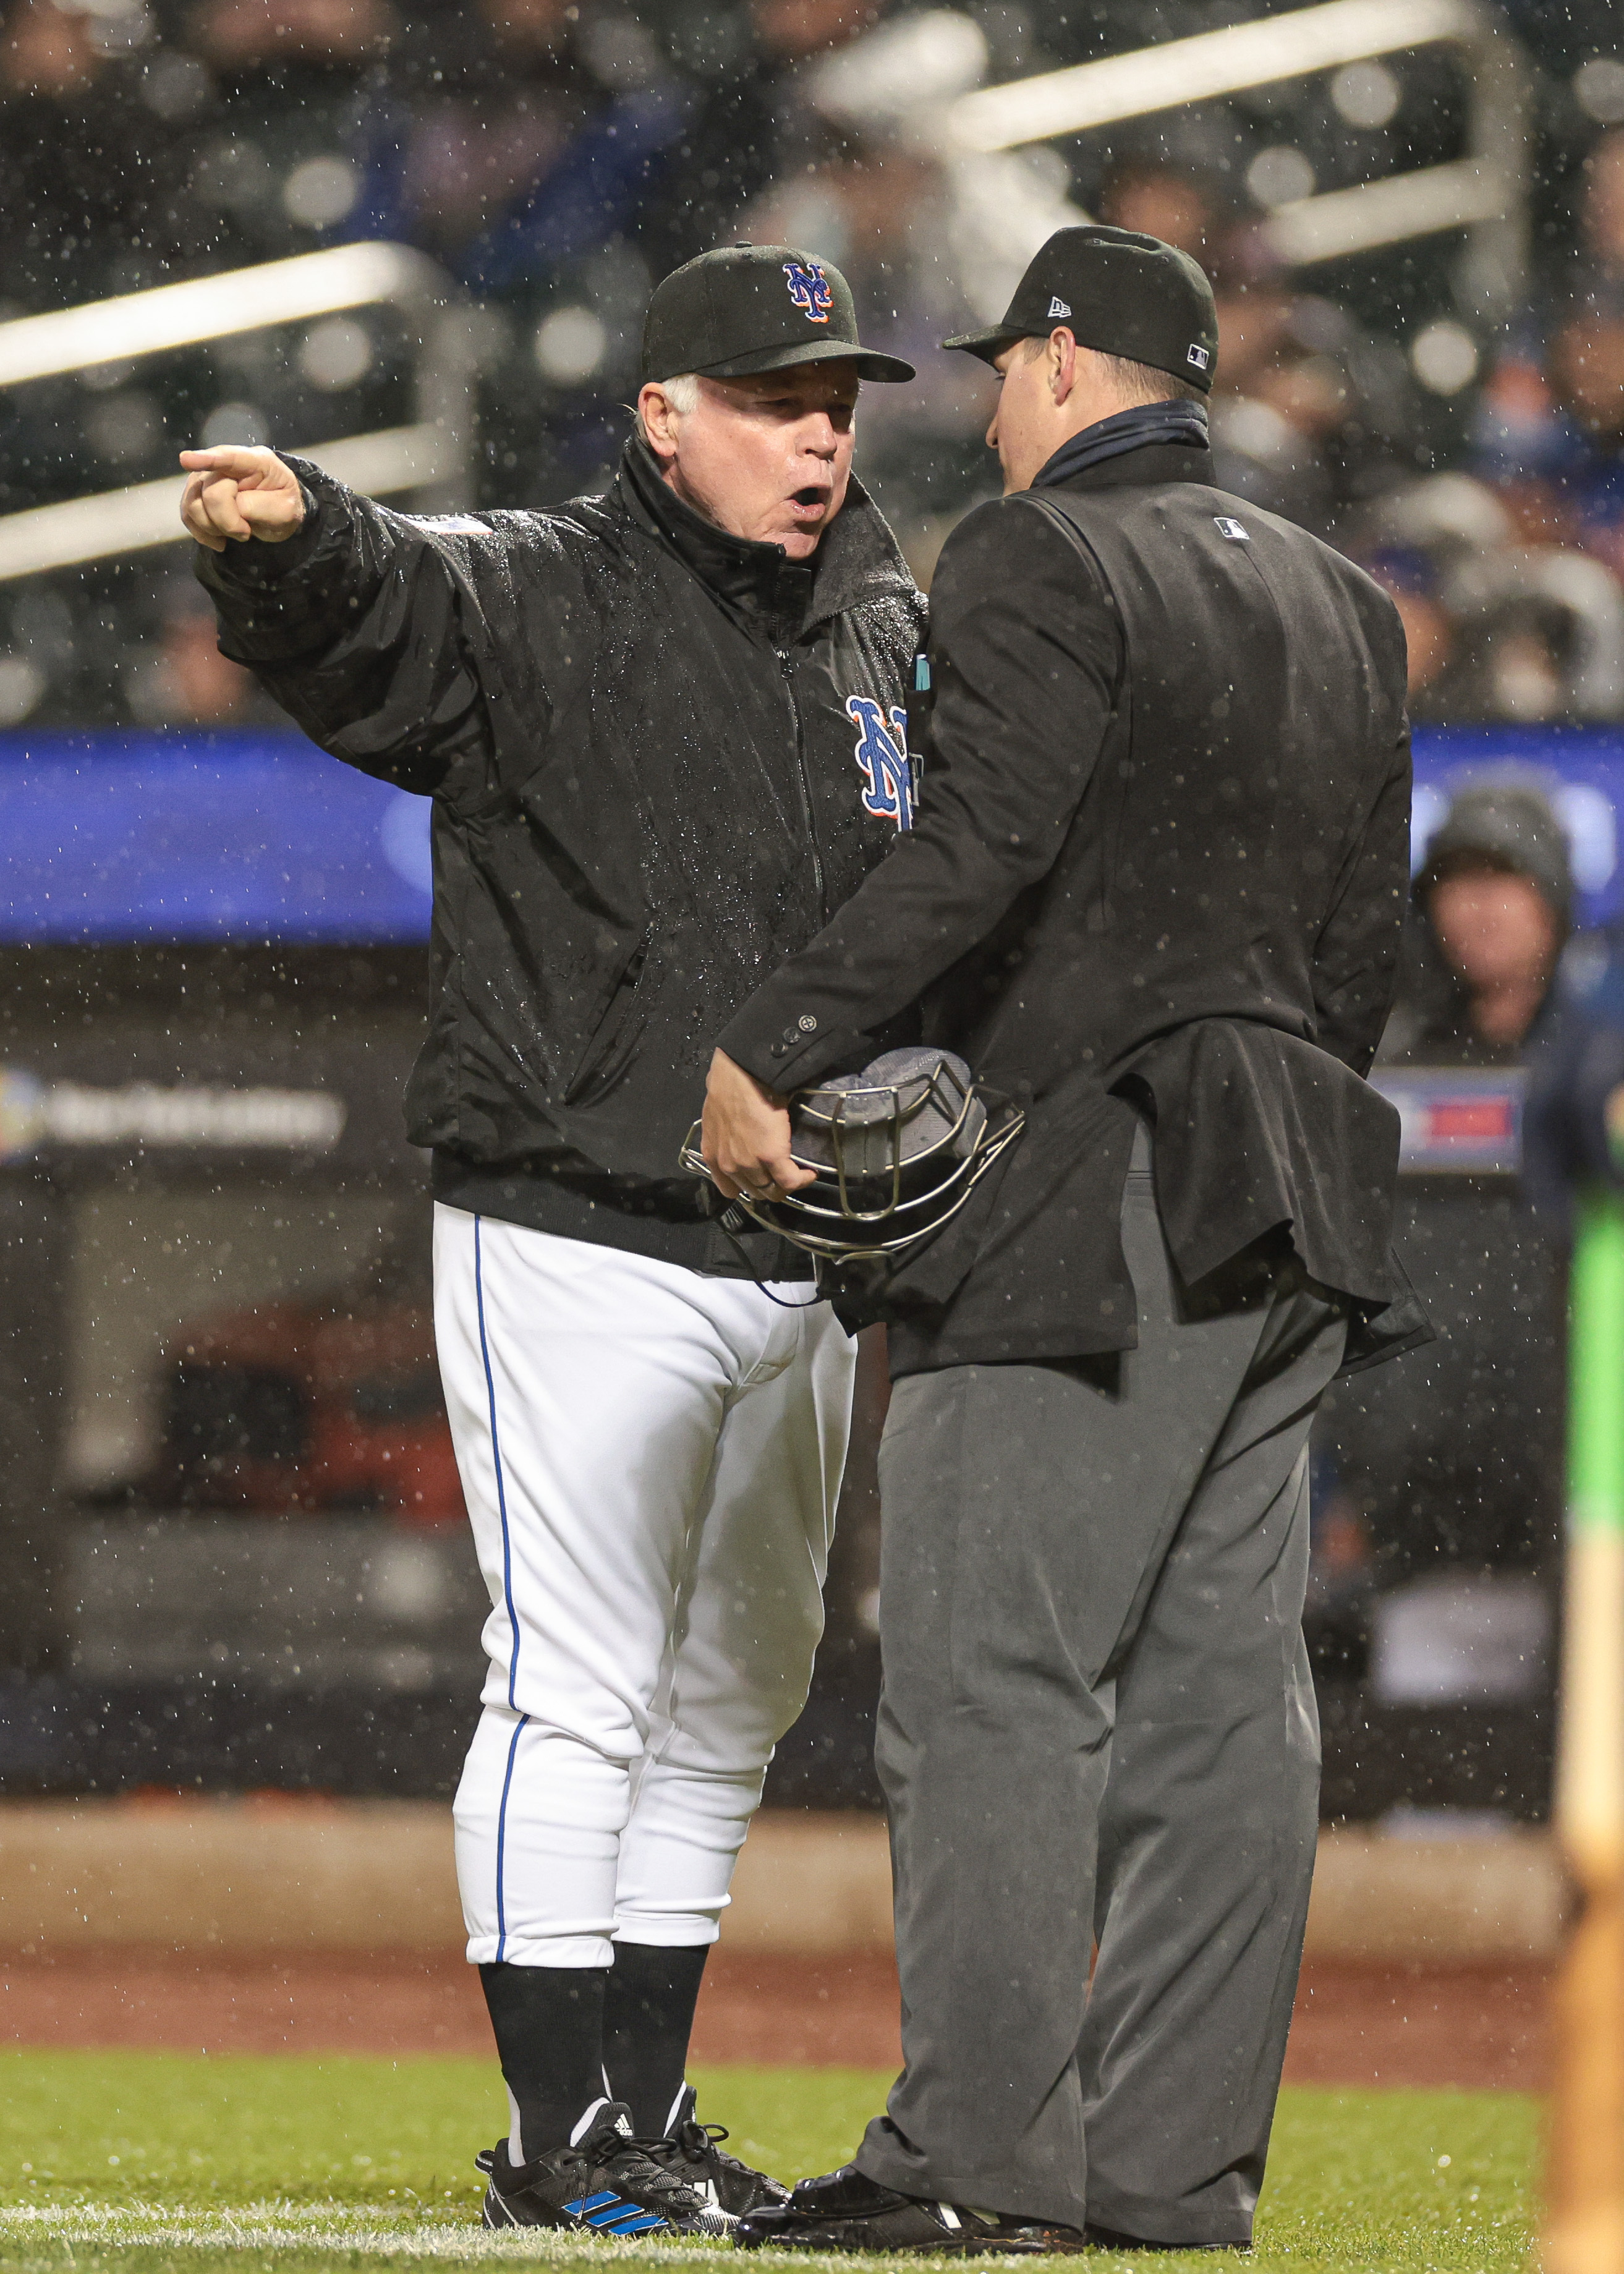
column 1098, row 1725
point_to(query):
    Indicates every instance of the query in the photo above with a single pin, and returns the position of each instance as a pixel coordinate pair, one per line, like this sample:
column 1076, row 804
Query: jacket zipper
column 805, row 780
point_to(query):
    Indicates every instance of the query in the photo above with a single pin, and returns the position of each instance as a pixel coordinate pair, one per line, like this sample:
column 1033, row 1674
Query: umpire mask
column 895, row 1151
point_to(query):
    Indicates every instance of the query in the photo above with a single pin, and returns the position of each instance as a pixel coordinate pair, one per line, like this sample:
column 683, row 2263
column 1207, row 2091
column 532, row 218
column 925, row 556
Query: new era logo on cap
column 1059, row 307
column 1197, row 355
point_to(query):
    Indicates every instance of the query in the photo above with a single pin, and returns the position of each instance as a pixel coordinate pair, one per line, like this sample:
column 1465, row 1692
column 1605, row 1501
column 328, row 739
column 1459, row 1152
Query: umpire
column 664, row 732
column 1155, row 893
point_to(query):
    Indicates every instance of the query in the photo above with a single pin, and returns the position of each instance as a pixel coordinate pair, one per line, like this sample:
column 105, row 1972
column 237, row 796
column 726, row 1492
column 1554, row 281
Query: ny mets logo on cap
column 808, row 289
column 883, row 758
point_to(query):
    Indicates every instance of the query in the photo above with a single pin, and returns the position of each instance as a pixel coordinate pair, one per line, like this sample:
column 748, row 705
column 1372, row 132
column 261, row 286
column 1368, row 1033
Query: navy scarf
column 1183, row 424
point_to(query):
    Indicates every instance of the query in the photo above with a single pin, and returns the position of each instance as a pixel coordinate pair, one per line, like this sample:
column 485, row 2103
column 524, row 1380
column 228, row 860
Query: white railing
column 431, row 457
column 1486, row 192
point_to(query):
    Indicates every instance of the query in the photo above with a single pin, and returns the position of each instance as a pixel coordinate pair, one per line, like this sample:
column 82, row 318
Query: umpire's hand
column 236, row 493
column 746, row 1136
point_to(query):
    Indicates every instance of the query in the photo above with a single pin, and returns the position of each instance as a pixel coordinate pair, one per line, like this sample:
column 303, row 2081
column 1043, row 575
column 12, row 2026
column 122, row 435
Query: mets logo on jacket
column 881, row 754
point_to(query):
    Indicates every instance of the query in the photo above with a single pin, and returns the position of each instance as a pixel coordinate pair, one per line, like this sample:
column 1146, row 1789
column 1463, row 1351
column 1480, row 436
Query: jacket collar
column 858, row 558
column 1165, row 428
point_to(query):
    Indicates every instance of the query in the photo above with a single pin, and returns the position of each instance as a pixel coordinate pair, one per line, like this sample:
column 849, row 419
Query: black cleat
column 846, row 2211
column 607, row 2184
column 723, row 2183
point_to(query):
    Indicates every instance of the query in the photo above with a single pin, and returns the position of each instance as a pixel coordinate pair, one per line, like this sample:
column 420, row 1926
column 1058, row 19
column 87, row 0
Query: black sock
column 549, row 2025
column 648, row 2019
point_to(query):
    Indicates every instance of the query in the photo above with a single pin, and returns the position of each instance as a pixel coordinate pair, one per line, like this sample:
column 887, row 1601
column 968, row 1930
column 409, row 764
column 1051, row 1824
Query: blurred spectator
column 535, row 136
column 1587, row 373
column 276, row 171
column 752, row 124
column 88, row 178
column 1495, row 900
column 1416, row 584
column 1601, row 213
column 1455, row 1459
column 1172, row 202
column 182, row 679
column 1495, row 631
column 932, row 243
column 1312, row 416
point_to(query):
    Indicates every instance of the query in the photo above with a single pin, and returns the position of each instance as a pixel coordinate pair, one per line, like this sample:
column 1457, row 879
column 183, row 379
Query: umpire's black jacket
column 657, row 754
column 1161, row 859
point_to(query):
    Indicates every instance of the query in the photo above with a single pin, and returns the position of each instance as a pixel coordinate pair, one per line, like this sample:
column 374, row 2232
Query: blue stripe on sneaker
column 591, row 2202
column 501, row 1842
column 496, row 1457
column 636, row 2222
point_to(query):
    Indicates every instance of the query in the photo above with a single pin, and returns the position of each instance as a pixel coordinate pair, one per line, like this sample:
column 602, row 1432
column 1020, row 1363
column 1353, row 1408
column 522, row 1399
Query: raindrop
column 1279, row 176
column 1443, row 357
column 123, row 426
column 234, row 422
column 1599, row 88
column 21, row 685
column 336, row 353
column 1366, row 93
column 101, row 377
column 175, row 85
column 569, row 345
column 320, row 192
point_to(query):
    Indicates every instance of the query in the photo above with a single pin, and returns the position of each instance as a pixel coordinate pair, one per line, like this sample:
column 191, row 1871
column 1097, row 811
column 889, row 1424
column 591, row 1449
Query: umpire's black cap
column 751, row 308
column 1118, row 292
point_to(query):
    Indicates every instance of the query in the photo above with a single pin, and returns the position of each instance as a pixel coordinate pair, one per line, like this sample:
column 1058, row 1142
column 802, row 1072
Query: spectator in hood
column 1455, row 1458
column 1493, row 904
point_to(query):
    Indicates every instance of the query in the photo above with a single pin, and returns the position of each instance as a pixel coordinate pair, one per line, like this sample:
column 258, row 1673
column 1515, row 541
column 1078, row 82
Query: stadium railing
column 432, row 456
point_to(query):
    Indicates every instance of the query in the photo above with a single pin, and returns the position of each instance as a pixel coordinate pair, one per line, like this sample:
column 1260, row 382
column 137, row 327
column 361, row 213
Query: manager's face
column 767, row 458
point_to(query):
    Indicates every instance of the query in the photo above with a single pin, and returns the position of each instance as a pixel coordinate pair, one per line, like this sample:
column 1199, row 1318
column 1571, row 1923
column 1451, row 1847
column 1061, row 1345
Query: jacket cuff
column 790, row 1054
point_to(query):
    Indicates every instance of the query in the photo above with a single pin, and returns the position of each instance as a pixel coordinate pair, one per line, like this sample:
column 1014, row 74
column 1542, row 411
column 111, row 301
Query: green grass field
column 142, row 2161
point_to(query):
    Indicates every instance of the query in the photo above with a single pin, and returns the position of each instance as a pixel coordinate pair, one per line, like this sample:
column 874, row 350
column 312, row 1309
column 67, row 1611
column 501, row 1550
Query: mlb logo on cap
column 1198, row 356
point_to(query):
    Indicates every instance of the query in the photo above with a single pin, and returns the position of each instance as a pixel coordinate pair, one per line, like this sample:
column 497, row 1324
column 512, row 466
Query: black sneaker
column 691, row 2149
column 846, row 2211
column 603, row 2184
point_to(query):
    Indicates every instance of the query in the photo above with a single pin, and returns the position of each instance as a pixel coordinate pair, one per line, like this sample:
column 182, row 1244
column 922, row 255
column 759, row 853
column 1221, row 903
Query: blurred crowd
column 553, row 156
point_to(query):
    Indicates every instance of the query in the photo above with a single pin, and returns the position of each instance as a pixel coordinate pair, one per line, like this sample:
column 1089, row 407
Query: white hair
column 682, row 393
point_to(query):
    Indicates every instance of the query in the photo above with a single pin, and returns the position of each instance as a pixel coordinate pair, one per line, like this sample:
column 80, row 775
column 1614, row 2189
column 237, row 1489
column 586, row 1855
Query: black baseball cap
column 751, row 308
column 1118, row 292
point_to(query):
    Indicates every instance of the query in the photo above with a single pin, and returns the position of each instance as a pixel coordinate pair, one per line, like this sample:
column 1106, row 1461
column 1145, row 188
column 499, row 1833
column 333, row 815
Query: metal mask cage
column 885, row 1114
column 892, row 1107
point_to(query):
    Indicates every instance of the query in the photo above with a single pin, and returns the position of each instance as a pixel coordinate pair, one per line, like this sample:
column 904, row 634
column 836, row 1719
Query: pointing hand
column 236, row 492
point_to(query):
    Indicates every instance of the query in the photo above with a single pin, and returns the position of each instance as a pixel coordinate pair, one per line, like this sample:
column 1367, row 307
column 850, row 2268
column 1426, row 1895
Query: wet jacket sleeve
column 358, row 627
column 1357, row 955
column 1025, row 657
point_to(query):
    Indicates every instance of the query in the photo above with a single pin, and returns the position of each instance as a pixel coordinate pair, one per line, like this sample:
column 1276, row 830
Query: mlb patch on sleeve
column 1236, row 531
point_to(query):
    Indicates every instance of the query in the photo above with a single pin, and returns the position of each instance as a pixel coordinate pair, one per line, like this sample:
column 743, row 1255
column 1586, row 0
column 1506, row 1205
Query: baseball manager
column 1154, row 894
column 664, row 730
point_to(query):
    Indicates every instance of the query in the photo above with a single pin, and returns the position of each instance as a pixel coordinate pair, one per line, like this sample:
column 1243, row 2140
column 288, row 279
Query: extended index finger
column 233, row 458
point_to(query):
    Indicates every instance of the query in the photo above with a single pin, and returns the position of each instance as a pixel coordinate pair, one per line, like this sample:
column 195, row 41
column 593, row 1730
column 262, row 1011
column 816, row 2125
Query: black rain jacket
column 1160, row 864
column 661, row 757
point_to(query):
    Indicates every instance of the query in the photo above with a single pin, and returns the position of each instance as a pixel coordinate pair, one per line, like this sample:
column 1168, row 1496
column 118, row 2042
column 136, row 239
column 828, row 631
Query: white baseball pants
column 651, row 1460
